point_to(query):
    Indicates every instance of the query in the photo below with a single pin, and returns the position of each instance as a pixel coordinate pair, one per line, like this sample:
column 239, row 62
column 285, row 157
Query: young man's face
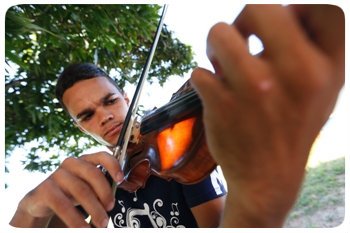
column 98, row 108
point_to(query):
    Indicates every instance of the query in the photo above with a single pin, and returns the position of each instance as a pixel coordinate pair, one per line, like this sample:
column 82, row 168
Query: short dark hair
column 75, row 73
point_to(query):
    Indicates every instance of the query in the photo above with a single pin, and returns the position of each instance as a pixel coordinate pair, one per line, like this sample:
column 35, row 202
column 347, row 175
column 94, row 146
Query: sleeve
column 212, row 187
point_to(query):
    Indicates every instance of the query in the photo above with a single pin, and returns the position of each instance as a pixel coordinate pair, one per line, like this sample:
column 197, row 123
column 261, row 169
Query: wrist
column 257, row 209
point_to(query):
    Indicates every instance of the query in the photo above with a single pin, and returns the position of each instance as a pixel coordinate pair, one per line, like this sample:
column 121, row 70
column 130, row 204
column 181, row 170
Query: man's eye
column 111, row 101
column 87, row 117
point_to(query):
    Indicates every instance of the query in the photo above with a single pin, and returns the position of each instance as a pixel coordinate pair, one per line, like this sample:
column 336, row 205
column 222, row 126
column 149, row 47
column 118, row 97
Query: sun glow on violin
column 174, row 141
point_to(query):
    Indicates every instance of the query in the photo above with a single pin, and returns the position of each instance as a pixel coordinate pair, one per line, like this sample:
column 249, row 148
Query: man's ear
column 126, row 98
column 79, row 127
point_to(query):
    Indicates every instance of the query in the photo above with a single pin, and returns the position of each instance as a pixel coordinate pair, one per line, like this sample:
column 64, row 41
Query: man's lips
column 114, row 130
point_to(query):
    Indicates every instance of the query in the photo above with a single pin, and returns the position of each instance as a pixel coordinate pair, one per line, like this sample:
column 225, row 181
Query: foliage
column 40, row 40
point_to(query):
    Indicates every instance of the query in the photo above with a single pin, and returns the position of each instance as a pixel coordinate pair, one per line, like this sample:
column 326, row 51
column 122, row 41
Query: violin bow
column 124, row 136
column 122, row 143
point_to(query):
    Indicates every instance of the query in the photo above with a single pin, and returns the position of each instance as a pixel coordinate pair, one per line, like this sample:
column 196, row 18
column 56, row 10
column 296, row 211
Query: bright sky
column 191, row 24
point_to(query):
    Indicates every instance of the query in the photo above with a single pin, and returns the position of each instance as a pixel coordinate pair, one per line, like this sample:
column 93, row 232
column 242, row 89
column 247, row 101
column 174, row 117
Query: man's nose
column 105, row 116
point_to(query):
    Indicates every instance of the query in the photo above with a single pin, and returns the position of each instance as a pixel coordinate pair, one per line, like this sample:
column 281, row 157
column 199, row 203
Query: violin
column 169, row 142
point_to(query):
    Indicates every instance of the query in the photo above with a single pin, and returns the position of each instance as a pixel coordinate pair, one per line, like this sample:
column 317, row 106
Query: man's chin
column 111, row 143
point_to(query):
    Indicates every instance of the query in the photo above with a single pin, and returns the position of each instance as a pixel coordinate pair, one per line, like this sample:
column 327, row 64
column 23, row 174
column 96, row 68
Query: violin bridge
column 135, row 132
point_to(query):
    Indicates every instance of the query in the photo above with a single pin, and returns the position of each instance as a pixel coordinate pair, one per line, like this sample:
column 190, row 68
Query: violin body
column 171, row 144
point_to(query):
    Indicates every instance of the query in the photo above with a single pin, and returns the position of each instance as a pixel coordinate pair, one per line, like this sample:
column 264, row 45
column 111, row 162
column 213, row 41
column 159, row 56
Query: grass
column 321, row 190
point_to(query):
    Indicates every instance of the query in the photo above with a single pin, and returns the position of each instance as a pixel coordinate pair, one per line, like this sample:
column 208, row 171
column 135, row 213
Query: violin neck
column 176, row 110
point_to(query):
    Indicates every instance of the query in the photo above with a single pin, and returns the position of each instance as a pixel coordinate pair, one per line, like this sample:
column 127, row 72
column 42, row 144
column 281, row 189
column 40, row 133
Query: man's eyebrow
column 84, row 112
column 106, row 97
column 88, row 110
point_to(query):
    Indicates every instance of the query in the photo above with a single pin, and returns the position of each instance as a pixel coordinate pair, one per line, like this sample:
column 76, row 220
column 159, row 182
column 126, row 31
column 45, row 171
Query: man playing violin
column 98, row 108
column 260, row 126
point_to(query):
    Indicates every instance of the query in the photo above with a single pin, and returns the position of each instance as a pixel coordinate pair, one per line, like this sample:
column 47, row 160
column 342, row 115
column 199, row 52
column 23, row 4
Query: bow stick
column 122, row 143
column 124, row 136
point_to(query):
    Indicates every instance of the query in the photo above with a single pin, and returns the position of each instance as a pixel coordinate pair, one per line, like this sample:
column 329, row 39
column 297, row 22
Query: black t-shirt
column 165, row 203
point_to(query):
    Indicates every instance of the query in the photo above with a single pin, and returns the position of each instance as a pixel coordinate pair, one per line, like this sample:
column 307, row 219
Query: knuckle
column 62, row 205
column 318, row 76
column 57, row 203
column 54, row 176
column 107, row 197
column 260, row 81
column 47, row 184
column 86, row 156
column 111, row 163
column 216, row 30
column 46, row 188
column 67, row 161
column 198, row 73
column 100, row 153
column 98, row 156
column 93, row 171
column 310, row 73
column 82, row 189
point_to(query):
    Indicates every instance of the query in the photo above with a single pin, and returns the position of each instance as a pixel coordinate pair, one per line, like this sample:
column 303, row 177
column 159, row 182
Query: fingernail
column 104, row 222
column 110, row 206
column 120, row 176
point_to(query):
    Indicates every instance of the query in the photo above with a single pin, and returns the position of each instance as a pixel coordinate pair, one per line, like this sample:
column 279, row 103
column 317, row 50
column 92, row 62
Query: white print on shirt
column 157, row 220
column 217, row 179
